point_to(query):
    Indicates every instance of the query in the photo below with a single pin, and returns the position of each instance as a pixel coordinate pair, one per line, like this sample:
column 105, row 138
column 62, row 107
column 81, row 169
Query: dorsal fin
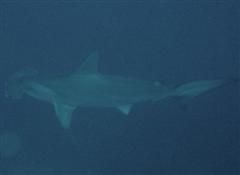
column 90, row 65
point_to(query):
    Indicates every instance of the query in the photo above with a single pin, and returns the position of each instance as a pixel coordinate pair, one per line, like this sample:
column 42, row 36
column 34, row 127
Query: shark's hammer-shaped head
column 15, row 85
column 26, row 82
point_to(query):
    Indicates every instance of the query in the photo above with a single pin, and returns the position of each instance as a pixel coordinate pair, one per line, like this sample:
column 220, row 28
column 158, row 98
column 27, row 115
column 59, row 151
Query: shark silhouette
column 88, row 87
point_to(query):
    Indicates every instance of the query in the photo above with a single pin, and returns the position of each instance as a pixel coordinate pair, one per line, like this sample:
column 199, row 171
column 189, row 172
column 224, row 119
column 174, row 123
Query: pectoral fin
column 64, row 114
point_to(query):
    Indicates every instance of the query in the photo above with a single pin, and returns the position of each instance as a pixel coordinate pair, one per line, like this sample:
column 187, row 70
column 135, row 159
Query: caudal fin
column 196, row 88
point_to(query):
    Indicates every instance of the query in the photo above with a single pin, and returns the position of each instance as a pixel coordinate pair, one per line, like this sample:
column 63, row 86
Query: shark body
column 88, row 87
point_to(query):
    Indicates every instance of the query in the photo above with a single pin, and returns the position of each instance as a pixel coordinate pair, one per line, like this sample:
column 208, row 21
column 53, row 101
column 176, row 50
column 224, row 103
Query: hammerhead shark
column 88, row 87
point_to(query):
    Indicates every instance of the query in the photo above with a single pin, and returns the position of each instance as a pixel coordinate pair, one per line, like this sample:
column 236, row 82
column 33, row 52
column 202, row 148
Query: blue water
column 171, row 42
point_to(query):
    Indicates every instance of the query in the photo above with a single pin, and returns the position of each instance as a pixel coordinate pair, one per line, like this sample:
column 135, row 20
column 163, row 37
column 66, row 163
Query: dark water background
column 171, row 42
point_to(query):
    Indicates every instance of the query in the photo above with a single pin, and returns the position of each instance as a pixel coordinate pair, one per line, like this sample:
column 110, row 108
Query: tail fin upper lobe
column 196, row 88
